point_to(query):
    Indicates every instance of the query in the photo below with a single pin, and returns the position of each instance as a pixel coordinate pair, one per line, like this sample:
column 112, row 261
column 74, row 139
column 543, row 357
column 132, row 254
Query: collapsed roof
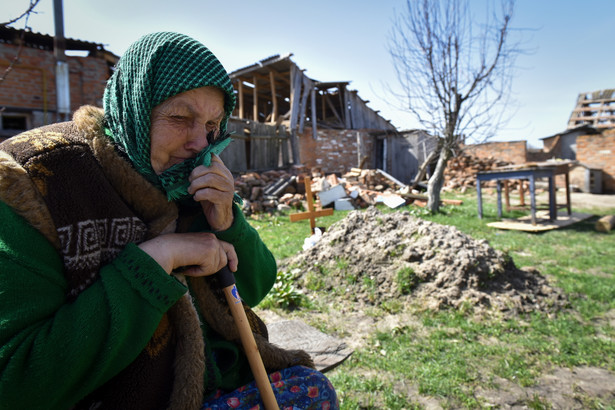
column 594, row 108
column 275, row 90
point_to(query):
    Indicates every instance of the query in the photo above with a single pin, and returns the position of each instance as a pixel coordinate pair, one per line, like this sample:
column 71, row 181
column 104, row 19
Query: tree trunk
column 436, row 181
column 423, row 168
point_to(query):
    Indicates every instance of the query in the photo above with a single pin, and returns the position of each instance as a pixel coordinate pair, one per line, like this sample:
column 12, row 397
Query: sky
column 569, row 45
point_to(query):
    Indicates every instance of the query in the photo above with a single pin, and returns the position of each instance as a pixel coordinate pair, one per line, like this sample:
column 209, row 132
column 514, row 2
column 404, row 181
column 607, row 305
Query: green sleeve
column 52, row 352
column 257, row 268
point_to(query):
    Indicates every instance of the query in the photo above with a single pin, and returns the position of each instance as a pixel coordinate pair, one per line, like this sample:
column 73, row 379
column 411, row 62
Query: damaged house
column 588, row 139
column 323, row 125
column 29, row 90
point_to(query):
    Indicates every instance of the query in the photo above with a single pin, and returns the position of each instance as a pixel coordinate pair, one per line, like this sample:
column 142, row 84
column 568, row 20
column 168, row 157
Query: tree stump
column 605, row 224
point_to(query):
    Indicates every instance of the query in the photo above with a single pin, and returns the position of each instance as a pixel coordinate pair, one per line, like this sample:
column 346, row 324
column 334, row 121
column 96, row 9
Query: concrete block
column 329, row 196
column 343, row 204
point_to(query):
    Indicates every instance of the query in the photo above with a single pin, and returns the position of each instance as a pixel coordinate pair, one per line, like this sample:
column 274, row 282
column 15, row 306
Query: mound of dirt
column 370, row 257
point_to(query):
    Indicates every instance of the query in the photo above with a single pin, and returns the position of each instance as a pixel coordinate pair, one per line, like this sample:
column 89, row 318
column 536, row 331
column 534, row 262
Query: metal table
column 531, row 173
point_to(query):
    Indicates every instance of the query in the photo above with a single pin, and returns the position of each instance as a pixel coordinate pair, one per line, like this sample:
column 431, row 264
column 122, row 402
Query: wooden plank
column 391, row 178
column 266, row 145
column 330, row 104
column 307, row 86
column 274, row 97
column 323, row 104
column 295, row 96
column 542, row 222
column 313, row 115
column 362, row 113
column 423, row 199
column 295, row 91
column 285, row 148
column 240, row 95
column 347, row 109
column 255, row 102
column 357, row 111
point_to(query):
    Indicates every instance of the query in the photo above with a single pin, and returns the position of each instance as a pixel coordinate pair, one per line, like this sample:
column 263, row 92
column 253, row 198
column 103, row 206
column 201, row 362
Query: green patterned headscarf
column 153, row 69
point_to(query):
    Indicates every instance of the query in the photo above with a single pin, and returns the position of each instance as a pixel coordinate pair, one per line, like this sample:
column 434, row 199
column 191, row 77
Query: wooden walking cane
column 227, row 282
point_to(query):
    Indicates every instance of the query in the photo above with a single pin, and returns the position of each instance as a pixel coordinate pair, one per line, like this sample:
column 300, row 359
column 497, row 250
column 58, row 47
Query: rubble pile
column 281, row 190
column 362, row 188
column 371, row 257
column 261, row 192
column 461, row 171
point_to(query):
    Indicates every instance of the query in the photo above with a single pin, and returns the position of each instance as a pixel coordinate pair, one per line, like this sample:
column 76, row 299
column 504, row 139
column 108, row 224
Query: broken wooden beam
column 424, row 198
column 392, row 179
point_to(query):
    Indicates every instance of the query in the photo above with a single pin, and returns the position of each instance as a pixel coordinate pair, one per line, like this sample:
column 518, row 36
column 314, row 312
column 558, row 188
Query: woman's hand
column 201, row 254
column 214, row 188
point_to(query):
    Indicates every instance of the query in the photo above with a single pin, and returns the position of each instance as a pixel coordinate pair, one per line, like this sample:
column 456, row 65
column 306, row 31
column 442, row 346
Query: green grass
column 285, row 238
column 448, row 355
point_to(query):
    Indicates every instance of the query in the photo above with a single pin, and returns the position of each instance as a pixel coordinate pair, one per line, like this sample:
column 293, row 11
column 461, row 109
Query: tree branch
column 455, row 68
column 15, row 59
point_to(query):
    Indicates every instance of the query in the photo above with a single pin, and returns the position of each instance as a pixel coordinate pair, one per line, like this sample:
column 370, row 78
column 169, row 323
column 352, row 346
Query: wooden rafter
column 274, row 97
column 240, row 96
column 255, row 100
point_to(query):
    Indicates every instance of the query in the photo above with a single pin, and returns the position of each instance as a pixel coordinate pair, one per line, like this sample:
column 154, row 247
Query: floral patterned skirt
column 297, row 387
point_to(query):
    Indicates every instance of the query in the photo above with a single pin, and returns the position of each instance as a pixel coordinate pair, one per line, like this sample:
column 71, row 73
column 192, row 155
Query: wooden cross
column 311, row 214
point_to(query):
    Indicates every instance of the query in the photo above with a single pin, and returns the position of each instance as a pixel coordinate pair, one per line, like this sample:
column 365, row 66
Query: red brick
column 31, row 83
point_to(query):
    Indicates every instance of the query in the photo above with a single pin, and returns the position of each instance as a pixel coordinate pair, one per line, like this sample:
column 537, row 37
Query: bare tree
column 455, row 71
column 25, row 16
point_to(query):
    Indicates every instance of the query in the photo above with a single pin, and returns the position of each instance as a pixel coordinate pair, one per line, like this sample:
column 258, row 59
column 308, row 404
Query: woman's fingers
column 231, row 256
column 214, row 188
column 216, row 177
column 198, row 254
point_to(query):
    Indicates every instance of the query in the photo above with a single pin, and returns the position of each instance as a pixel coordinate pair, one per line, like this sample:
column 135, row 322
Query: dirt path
column 581, row 200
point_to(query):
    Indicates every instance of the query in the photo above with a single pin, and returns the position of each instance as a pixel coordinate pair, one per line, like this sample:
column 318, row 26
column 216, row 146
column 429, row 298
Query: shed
column 586, row 178
column 405, row 152
column 563, row 145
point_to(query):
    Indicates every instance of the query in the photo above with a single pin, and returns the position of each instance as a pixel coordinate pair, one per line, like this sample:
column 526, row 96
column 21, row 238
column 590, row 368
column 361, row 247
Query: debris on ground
column 279, row 190
column 372, row 257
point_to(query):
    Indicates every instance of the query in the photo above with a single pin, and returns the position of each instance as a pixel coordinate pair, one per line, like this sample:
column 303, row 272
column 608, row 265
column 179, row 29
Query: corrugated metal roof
column 9, row 35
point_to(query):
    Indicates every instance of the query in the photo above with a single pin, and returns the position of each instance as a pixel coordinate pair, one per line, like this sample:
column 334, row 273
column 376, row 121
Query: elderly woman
column 111, row 227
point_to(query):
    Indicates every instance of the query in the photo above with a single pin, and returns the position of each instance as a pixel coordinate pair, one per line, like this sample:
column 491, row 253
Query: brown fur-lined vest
column 89, row 226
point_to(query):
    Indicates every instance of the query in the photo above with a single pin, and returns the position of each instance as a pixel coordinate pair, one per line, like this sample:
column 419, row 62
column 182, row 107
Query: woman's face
column 180, row 124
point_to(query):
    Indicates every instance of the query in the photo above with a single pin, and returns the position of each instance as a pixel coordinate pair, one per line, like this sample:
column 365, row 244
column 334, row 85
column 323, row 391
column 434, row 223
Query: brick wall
column 510, row 151
column 31, row 83
column 335, row 150
column 552, row 148
column 598, row 151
